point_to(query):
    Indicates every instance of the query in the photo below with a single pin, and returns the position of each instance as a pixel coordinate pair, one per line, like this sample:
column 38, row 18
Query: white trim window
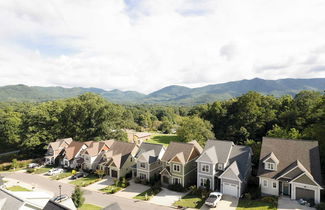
column 265, row 183
column 176, row 167
column 274, row 185
column 205, row 168
column 269, row 166
column 176, row 180
column 142, row 165
column 203, row 182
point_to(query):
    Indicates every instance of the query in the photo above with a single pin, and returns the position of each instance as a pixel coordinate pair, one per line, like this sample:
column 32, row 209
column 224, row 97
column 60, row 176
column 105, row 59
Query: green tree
column 77, row 197
column 10, row 128
column 279, row 132
column 14, row 163
column 195, row 128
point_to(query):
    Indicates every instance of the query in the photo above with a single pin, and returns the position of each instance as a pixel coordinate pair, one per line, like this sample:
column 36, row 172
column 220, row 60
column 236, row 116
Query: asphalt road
column 91, row 196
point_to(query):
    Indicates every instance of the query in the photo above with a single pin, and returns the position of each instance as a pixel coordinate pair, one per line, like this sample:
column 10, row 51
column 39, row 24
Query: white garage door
column 230, row 189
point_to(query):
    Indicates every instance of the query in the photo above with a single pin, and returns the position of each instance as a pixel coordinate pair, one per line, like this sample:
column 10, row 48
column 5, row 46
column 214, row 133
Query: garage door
column 230, row 189
column 304, row 193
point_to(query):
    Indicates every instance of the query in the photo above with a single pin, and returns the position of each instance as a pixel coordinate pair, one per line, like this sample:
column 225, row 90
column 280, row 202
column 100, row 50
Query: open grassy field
column 164, row 139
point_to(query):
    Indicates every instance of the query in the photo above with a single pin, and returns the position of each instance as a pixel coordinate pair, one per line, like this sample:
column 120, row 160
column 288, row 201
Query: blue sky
column 144, row 45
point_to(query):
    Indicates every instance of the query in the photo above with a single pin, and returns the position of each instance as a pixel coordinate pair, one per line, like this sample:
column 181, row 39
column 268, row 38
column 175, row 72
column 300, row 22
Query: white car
column 213, row 199
column 33, row 165
column 54, row 171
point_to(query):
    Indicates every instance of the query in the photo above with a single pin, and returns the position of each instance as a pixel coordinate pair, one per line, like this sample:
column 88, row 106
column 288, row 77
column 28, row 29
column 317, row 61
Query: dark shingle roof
column 52, row 205
column 220, row 150
column 9, row 201
column 288, row 152
column 240, row 154
column 177, row 148
column 149, row 152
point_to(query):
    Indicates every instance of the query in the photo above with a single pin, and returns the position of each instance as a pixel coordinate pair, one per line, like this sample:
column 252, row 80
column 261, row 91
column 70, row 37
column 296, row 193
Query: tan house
column 119, row 159
column 179, row 166
column 55, row 150
column 93, row 154
column 137, row 137
column 290, row 168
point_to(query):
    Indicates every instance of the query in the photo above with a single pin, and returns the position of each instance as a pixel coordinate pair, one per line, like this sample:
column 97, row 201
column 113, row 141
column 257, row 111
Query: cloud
column 145, row 45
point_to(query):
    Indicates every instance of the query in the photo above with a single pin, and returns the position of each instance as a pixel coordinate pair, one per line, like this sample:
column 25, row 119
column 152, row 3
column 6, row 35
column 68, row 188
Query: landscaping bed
column 117, row 186
column 85, row 181
column 17, row 188
column 148, row 194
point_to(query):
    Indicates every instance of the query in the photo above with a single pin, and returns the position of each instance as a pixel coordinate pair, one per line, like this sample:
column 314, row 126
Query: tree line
column 244, row 120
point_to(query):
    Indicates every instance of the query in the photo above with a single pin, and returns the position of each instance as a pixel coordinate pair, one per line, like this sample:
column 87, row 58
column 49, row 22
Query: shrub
column 137, row 180
column 320, row 206
column 77, row 197
column 270, row 199
column 176, row 187
column 30, row 170
column 248, row 196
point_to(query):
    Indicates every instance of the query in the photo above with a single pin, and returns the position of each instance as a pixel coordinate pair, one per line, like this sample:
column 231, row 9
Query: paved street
column 91, row 196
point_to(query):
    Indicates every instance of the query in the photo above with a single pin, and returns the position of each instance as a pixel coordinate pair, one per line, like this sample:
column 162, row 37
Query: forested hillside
column 172, row 95
column 244, row 120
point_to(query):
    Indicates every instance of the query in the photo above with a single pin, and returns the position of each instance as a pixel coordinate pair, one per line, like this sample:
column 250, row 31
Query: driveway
column 285, row 203
column 132, row 190
column 166, row 197
column 227, row 203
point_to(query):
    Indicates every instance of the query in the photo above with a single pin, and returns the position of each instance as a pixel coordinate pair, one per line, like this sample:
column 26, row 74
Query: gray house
column 148, row 161
column 290, row 168
column 225, row 166
column 179, row 166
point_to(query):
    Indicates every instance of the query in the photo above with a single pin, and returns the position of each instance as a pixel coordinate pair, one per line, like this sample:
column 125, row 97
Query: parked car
column 33, row 165
column 79, row 175
column 54, row 171
column 61, row 198
column 213, row 199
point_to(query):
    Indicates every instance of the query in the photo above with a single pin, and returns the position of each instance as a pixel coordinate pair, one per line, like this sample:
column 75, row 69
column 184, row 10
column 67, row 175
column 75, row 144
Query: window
column 142, row 165
column 177, row 168
column 143, row 176
column 274, row 185
column 269, row 166
column 203, row 182
column 205, row 168
column 219, row 166
column 176, row 181
column 264, row 183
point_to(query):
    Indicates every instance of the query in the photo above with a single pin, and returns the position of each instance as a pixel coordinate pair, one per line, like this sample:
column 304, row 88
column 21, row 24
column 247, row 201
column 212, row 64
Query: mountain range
column 172, row 95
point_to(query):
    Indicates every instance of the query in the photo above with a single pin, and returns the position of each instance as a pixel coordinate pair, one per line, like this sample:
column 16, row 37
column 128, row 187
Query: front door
column 114, row 173
column 286, row 188
column 165, row 180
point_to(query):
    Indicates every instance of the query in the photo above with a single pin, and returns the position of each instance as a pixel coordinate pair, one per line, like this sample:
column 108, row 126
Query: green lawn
column 42, row 170
column 254, row 205
column 88, row 206
column 190, row 201
column 17, row 188
column 111, row 189
column 61, row 176
column 164, row 139
column 85, row 181
column 142, row 196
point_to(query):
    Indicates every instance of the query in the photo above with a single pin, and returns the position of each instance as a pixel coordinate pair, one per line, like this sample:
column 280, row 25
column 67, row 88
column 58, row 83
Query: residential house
column 179, row 166
column 119, row 159
column 71, row 154
column 290, row 168
column 137, row 137
column 92, row 155
column 148, row 161
column 224, row 167
column 55, row 150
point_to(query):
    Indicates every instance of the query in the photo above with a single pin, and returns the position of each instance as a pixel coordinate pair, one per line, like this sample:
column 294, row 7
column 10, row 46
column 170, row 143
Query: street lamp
column 60, row 186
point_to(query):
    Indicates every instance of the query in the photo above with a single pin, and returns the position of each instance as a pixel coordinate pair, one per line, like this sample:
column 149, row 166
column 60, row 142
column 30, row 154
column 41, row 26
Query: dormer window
column 220, row 166
column 270, row 166
column 271, row 162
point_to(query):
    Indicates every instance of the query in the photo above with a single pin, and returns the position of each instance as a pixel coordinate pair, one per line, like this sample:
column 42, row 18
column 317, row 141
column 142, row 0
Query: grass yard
column 190, row 201
column 150, row 193
column 88, row 206
column 85, row 181
column 254, row 205
column 111, row 189
column 61, row 176
column 42, row 170
column 17, row 188
column 164, row 139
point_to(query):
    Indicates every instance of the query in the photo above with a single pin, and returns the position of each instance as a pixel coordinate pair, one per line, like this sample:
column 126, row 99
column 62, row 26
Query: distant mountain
column 176, row 95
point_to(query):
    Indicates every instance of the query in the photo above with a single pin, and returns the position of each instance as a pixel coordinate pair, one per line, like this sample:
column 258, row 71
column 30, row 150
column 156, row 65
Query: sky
column 144, row 45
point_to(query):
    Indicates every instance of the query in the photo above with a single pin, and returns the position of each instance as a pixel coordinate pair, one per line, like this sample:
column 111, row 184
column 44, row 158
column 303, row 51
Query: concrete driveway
column 227, row 203
column 285, row 203
column 132, row 190
column 166, row 197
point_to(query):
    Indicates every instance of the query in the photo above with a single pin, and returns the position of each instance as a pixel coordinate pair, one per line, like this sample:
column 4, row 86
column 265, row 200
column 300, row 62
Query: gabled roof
column 241, row 156
column 96, row 147
column 288, row 152
column 72, row 150
column 52, row 205
column 58, row 144
column 271, row 156
column 180, row 150
column 232, row 169
column 119, row 152
column 149, row 152
column 217, row 151
column 9, row 201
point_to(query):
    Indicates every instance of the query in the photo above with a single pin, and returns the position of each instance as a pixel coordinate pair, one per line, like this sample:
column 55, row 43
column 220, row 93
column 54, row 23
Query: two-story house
column 55, row 150
column 92, row 155
column 224, row 166
column 179, row 166
column 148, row 161
column 290, row 168
column 119, row 159
column 71, row 154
